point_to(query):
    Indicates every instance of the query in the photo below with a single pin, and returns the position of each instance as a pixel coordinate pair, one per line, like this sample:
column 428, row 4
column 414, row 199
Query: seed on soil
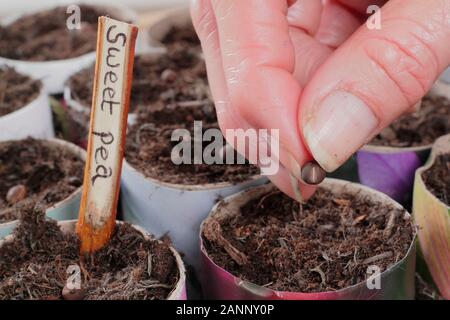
column 16, row 194
column 168, row 75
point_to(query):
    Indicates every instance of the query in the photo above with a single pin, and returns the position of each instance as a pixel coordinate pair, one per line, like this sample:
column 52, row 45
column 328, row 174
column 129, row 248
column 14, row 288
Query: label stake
column 108, row 124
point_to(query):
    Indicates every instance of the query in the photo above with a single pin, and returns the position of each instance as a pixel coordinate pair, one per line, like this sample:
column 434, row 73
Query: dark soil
column 149, row 147
column 16, row 90
column 35, row 264
column 148, row 84
column 49, row 174
column 323, row 245
column 421, row 128
column 182, row 38
column 44, row 36
column 425, row 291
column 437, row 178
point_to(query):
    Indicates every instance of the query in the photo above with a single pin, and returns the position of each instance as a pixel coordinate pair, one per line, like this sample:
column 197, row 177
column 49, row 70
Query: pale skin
column 315, row 71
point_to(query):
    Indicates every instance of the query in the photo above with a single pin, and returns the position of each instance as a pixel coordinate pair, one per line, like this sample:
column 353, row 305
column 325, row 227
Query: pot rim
column 188, row 187
column 331, row 185
column 81, row 153
column 122, row 10
column 439, row 88
column 69, row 226
column 440, row 147
column 169, row 16
column 17, row 113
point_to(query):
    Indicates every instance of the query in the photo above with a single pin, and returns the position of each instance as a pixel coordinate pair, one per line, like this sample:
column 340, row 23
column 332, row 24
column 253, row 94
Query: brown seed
column 168, row 75
column 312, row 173
column 72, row 294
column 74, row 181
column 16, row 194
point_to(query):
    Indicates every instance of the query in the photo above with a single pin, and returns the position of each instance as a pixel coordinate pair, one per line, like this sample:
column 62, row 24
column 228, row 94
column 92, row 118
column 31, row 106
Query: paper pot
column 433, row 218
column 54, row 73
column 179, row 17
column 34, row 119
column 173, row 209
column 397, row 282
column 390, row 169
column 66, row 209
column 178, row 293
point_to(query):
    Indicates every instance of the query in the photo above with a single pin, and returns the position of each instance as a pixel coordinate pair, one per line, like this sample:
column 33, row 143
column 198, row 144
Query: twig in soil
column 342, row 202
column 213, row 232
column 263, row 198
column 380, row 256
column 326, row 257
column 149, row 264
column 193, row 103
column 321, row 273
column 390, row 224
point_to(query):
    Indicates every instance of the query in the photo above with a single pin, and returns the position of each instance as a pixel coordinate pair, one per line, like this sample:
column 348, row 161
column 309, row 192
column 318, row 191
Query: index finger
column 258, row 60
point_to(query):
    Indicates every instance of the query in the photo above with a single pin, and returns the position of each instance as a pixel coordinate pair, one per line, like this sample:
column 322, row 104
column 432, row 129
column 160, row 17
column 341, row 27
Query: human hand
column 315, row 71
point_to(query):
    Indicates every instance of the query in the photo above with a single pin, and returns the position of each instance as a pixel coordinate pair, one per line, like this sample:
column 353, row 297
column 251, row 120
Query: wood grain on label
column 110, row 104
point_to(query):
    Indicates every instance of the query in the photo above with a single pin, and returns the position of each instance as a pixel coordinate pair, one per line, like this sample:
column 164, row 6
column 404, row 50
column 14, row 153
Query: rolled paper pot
column 179, row 17
column 32, row 120
column 54, row 73
column 66, row 209
column 390, row 170
column 178, row 293
column 174, row 209
column 397, row 282
column 433, row 218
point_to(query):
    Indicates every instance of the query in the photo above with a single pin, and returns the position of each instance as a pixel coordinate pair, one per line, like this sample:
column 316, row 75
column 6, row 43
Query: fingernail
column 339, row 126
column 296, row 187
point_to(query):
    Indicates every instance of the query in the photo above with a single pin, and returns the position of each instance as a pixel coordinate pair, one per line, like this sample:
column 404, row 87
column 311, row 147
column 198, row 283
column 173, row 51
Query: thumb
column 373, row 78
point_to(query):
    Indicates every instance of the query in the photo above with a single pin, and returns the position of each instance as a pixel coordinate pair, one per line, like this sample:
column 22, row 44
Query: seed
column 312, row 173
column 72, row 294
column 74, row 181
column 16, row 194
column 168, row 75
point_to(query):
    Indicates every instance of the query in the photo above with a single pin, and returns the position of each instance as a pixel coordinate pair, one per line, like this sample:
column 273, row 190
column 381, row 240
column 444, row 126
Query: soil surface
column 148, row 83
column 149, row 147
column 323, row 245
column 44, row 36
column 437, row 178
column 35, row 264
column 182, row 38
column 16, row 90
column 420, row 128
column 41, row 173
column 181, row 95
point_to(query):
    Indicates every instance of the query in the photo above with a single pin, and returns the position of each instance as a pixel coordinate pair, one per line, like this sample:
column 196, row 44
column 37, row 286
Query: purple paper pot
column 397, row 282
column 390, row 170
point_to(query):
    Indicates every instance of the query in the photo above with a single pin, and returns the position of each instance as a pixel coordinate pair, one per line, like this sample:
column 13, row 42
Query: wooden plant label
column 110, row 103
